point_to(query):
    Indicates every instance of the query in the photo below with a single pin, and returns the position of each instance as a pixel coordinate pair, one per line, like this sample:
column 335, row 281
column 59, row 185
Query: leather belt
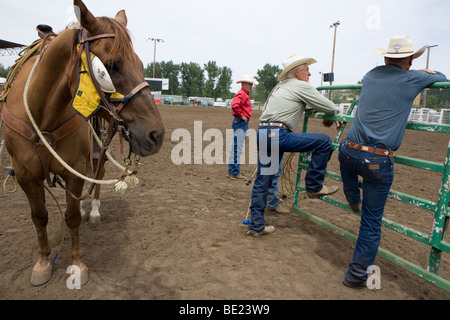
column 273, row 124
column 381, row 152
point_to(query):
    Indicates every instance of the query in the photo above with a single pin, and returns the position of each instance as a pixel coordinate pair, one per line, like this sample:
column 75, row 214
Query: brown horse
column 49, row 94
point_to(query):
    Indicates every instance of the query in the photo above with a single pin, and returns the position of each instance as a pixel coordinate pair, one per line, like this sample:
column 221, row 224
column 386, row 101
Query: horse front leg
column 34, row 190
column 94, row 216
column 73, row 222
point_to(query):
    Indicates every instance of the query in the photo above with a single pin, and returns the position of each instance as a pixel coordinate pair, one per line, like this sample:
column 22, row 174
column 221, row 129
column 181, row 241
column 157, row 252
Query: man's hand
column 329, row 123
column 428, row 71
column 244, row 118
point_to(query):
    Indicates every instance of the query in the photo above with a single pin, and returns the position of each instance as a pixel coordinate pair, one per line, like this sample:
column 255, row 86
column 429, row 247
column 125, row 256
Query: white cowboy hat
column 248, row 78
column 294, row 61
column 400, row 47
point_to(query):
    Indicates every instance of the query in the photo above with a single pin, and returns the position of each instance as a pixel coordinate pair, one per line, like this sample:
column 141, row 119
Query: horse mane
column 122, row 45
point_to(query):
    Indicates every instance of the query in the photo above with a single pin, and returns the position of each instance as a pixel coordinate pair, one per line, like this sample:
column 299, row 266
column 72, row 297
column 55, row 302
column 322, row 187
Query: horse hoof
column 40, row 275
column 79, row 276
column 84, row 274
column 94, row 219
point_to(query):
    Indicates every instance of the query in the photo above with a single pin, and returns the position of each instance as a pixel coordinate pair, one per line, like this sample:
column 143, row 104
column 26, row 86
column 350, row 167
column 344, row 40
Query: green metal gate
column 435, row 240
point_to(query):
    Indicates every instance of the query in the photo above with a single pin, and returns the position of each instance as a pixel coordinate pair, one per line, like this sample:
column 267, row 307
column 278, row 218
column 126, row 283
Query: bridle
column 108, row 104
column 43, row 143
column 112, row 106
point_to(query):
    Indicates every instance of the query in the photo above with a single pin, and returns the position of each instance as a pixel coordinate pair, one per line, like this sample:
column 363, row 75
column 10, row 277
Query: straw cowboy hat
column 294, row 61
column 400, row 47
column 248, row 78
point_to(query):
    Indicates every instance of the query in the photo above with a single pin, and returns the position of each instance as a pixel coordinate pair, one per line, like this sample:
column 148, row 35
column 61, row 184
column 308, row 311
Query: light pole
column 424, row 102
column 334, row 25
column 154, row 53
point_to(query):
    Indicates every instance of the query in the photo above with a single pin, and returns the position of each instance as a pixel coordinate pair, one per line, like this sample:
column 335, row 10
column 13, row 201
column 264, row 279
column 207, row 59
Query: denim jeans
column 240, row 128
column 273, row 201
column 378, row 174
column 273, row 142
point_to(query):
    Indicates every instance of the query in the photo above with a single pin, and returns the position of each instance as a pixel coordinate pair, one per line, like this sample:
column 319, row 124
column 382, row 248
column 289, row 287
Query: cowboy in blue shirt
column 377, row 131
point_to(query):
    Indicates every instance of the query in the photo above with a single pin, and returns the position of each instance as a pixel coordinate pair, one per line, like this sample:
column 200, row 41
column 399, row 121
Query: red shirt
column 241, row 105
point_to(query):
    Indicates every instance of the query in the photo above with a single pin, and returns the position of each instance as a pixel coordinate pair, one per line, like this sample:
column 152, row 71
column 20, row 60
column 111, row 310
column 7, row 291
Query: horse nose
column 156, row 137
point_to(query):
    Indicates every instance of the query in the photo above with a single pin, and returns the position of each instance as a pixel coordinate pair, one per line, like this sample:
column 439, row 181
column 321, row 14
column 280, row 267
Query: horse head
column 137, row 111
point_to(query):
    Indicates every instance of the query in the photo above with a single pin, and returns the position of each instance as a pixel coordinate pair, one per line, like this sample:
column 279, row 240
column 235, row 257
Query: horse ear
column 84, row 16
column 122, row 18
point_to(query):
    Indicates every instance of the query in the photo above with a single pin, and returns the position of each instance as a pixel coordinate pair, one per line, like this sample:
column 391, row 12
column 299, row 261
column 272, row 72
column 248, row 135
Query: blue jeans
column 273, row 201
column 273, row 142
column 378, row 174
column 240, row 128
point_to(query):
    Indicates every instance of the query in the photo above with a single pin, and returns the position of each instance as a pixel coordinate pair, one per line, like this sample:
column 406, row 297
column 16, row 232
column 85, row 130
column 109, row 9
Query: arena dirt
column 178, row 234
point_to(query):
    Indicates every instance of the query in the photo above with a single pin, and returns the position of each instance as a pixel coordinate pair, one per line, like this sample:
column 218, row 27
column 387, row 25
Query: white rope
column 108, row 152
column 131, row 177
column 120, row 185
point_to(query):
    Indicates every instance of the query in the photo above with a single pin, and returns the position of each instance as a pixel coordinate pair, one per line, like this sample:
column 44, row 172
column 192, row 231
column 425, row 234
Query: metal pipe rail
column 435, row 240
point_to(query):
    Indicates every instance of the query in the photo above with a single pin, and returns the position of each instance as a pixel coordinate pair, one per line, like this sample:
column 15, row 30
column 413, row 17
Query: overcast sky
column 244, row 35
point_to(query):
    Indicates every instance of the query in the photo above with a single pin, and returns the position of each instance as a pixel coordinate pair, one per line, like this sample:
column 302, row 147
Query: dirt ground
column 178, row 234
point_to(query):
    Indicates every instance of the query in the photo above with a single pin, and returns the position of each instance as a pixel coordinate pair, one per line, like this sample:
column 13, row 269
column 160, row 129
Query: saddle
column 44, row 30
column 44, row 33
column 19, row 126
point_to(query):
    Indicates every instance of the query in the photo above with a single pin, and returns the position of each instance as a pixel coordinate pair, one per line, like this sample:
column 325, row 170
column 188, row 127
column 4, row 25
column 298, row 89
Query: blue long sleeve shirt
column 386, row 99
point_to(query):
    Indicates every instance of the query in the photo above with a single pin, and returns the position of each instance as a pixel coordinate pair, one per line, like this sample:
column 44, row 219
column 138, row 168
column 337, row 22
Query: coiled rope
column 287, row 185
column 24, row 55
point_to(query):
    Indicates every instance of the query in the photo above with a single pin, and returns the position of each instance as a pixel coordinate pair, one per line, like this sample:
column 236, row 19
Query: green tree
column 268, row 79
column 438, row 98
column 165, row 70
column 224, row 82
column 212, row 71
column 433, row 102
column 148, row 71
column 192, row 79
column 171, row 71
column 3, row 71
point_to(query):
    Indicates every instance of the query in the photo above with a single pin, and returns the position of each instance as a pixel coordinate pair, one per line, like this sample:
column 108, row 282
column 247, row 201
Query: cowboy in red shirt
column 241, row 106
column 241, row 109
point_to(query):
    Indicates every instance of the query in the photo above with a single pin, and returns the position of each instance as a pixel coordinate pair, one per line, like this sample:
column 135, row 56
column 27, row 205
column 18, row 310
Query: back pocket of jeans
column 378, row 170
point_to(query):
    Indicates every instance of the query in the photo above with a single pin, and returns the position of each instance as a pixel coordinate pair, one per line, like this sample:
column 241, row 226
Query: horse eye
column 113, row 66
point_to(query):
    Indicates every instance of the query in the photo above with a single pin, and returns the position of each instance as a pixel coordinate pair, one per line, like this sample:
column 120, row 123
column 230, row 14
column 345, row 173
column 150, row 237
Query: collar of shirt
column 242, row 89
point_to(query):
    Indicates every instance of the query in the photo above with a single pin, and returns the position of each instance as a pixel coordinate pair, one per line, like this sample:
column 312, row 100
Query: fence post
column 440, row 219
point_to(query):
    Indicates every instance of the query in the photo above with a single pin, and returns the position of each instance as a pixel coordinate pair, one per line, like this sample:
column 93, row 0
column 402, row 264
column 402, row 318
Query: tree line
column 213, row 81
column 210, row 80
